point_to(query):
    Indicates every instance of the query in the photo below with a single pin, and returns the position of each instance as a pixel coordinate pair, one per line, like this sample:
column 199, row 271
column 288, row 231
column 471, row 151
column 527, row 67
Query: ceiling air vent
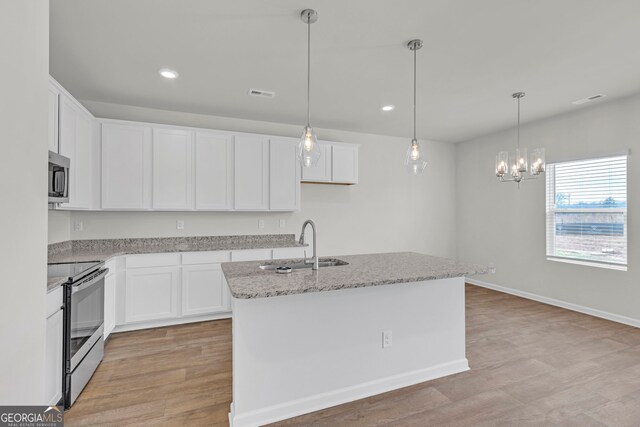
column 261, row 93
column 588, row 99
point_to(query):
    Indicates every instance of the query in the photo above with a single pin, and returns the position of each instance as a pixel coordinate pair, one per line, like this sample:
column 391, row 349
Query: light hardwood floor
column 531, row 365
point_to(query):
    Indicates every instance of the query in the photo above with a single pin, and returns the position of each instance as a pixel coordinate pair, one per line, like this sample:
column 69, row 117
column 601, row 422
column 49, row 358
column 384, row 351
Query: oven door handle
column 90, row 281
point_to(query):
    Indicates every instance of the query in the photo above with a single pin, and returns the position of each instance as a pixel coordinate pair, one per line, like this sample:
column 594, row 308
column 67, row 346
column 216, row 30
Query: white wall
column 498, row 223
column 24, row 43
column 387, row 211
column 59, row 226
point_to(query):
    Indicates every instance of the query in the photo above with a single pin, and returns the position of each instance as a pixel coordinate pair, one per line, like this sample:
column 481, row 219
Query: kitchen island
column 309, row 340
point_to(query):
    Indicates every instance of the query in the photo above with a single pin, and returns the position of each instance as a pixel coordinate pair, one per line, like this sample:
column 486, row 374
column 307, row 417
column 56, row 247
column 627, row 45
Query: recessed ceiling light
column 388, row 107
column 168, row 73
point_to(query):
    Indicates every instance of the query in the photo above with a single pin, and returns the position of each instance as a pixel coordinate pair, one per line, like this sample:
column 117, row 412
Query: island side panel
column 295, row 354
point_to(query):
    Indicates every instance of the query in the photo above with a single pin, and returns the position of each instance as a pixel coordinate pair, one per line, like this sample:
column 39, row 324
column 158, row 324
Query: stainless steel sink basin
column 297, row 264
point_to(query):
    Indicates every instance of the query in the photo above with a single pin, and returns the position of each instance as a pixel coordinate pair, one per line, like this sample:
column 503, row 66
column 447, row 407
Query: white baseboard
column 169, row 322
column 344, row 395
column 558, row 303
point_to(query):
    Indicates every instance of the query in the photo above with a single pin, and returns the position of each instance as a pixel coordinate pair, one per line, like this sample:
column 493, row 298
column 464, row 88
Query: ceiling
column 475, row 54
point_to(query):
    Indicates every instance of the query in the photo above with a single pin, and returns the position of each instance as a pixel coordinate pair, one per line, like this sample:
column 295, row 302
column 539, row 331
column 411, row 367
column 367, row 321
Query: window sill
column 589, row 263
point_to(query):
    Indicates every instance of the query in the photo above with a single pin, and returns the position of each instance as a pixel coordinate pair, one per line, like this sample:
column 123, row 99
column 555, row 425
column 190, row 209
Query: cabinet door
column 214, row 171
column 345, row 164
column 151, row 294
column 109, row 303
column 321, row 172
column 76, row 133
column 251, row 173
column 284, row 175
column 126, row 166
column 53, row 359
column 202, row 290
column 172, row 171
column 53, row 118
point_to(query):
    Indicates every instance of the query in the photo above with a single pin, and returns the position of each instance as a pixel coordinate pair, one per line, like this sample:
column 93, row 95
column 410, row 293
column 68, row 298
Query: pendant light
column 414, row 160
column 516, row 165
column 308, row 149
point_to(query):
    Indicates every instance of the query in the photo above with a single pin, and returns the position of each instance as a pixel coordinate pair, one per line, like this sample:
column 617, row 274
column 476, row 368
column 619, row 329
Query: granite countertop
column 54, row 282
column 247, row 281
column 105, row 249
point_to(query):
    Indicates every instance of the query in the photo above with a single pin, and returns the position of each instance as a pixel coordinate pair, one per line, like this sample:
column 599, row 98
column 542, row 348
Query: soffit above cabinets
column 475, row 53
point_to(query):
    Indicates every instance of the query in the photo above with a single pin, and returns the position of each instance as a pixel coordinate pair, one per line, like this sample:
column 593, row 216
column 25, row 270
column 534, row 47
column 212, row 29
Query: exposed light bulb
column 415, row 152
column 308, row 150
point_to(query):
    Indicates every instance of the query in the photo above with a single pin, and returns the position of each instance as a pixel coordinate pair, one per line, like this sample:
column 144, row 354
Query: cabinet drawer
column 153, row 260
column 289, row 253
column 190, row 258
column 54, row 300
column 251, row 255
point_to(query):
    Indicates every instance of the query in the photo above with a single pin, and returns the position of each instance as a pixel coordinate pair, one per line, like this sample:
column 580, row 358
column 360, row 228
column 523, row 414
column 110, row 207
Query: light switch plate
column 78, row 226
column 283, row 223
column 261, row 223
column 180, row 224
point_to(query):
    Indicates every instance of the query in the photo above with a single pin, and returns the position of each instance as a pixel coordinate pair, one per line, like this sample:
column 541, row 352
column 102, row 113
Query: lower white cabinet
column 109, row 303
column 151, row 294
column 53, row 348
column 203, row 290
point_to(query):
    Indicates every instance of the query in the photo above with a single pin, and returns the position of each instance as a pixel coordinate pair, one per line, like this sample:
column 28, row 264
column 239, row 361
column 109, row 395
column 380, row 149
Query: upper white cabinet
column 213, row 171
column 321, row 172
column 338, row 164
column 251, row 173
column 75, row 142
column 126, row 166
column 172, row 169
column 53, row 94
column 344, row 164
column 284, row 175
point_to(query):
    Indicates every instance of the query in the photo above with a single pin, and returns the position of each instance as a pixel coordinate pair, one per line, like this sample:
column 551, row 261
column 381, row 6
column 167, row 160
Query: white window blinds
column 587, row 211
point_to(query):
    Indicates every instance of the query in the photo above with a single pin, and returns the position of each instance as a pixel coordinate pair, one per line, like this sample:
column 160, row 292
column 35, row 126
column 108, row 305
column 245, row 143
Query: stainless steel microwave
column 58, row 178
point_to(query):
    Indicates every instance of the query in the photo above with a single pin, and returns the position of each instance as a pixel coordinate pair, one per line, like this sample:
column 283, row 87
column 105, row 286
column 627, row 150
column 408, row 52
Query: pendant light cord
column 308, row 69
column 414, row 92
column 518, row 123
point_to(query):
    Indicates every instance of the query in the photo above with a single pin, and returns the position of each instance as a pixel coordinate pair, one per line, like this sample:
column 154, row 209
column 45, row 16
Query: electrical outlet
column 180, row 224
column 261, row 223
column 387, row 339
column 78, row 226
column 283, row 223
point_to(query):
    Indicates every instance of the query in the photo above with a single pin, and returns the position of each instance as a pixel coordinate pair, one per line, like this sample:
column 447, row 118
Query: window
column 587, row 211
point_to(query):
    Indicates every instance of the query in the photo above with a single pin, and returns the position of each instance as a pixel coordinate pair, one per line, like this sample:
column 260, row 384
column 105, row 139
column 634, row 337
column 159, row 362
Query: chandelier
column 513, row 167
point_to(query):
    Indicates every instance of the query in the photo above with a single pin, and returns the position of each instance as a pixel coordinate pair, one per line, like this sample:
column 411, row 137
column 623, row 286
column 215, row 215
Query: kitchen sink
column 298, row 264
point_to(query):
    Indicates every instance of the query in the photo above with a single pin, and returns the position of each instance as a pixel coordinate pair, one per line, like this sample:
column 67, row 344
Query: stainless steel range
column 83, row 323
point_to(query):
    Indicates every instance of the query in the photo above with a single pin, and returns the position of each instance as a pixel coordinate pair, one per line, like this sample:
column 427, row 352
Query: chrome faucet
column 314, row 259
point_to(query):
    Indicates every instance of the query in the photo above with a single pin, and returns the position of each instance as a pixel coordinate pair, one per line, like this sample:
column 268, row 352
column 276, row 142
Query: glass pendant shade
column 308, row 148
column 522, row 160
column 414, row 161
column 502, row 164
column 537, row 162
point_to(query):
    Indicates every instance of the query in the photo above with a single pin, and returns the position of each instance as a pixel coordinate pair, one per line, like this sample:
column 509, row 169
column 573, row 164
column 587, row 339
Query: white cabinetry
column 75, row 142
column 214, row 171
column 344, row 159
column 251, row 255
column 110, row 298
column 284, row 175
column 251, row 173
column 289, row 253
column 151, row 293
column 321, row 172
column 203, row 290
column 338, row 164
column 172, row 169
column 53, row 348
column 53, row 94
column 126, row 166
